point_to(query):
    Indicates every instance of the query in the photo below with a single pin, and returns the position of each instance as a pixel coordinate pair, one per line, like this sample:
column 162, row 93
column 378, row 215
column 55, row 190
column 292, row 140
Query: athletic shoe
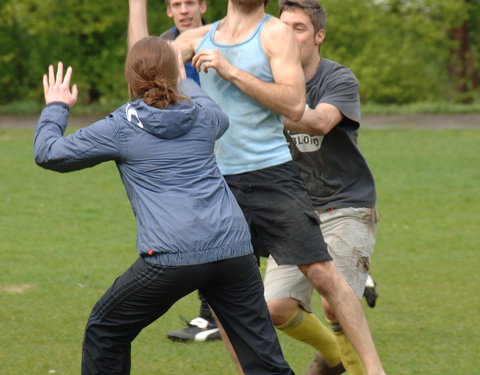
column 198, row 329
column 370, row 292
column 320, row 367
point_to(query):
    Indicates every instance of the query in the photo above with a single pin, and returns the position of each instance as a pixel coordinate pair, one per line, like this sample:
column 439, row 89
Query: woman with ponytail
column 191, row 234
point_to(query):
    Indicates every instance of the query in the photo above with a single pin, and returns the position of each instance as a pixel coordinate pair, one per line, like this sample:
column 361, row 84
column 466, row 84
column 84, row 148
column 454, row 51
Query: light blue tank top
column 255, row 137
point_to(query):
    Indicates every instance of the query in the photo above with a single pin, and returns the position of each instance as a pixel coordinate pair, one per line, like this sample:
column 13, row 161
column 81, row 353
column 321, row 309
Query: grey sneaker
column 370, row 292
column 320, row 367
column 198, row 329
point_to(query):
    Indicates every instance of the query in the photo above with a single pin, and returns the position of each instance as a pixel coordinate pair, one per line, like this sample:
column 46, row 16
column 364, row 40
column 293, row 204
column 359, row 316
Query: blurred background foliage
column 402, row 51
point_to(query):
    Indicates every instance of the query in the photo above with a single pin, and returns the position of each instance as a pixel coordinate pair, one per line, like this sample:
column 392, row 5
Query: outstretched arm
column 137, row 21
column 84, row 148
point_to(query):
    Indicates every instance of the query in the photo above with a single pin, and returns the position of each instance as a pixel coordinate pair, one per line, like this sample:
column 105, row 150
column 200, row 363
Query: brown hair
column 151, row 71
column 312, row 8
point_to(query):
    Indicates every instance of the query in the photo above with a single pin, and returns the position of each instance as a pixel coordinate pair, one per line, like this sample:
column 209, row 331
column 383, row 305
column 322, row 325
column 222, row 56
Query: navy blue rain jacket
column 184, row 210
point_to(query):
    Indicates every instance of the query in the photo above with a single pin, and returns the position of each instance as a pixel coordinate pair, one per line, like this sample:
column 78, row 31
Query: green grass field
column 64, row 238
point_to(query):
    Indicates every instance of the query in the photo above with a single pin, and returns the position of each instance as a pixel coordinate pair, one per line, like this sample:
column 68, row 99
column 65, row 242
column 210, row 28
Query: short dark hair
column 312, row 8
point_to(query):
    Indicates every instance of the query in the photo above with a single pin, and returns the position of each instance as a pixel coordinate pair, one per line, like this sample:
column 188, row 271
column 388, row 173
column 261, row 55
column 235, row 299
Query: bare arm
column 137, row 21
column 318, row 121
column 286, row 95
column 187, row 41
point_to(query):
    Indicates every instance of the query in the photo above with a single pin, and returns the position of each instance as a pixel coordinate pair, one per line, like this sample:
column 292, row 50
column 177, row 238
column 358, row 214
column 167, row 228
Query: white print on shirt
column 305, row 142
column 132, row 112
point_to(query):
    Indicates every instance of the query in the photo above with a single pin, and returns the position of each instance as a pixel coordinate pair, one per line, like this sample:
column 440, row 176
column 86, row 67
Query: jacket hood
column 168, row 123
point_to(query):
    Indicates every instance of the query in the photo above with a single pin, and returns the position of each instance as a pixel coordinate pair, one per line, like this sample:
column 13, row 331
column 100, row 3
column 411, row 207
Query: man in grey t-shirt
column 324, row 147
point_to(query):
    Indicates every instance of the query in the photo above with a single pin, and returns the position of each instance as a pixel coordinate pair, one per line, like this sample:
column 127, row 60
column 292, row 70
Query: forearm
column 51, row 126
column 85, row 148
column 308, row 124
column 283, row 99
column 137, row 21
column 319, row 121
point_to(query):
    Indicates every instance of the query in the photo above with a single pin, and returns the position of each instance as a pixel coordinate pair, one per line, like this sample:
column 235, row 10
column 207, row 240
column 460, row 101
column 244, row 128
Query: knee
column 323, row 275
column 282, row 309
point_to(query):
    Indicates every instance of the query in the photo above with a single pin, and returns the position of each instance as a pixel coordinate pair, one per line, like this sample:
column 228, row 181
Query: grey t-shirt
column 335, row 172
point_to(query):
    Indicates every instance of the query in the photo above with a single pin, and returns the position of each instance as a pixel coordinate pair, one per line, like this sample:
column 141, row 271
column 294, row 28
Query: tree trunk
column 463, row 72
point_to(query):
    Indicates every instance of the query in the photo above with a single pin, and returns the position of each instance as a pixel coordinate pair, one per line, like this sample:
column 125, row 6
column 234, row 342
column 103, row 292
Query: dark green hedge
column 402, row 51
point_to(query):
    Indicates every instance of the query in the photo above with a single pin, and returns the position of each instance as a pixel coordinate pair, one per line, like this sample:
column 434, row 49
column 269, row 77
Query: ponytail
column 161, row 94
column 151, row 71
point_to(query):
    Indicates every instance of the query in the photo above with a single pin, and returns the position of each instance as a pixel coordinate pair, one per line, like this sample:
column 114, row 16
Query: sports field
column 64, row 238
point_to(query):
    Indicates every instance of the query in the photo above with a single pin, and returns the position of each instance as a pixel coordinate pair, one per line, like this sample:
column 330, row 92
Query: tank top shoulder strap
column 208, row 38
column 263, row 22
column 213, row 29
column 260, row 25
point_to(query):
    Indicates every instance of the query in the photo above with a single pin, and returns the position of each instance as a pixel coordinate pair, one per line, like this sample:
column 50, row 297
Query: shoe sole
column 199, row 337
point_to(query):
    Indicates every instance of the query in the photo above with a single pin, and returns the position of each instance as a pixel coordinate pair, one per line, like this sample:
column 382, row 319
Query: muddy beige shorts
column 350, row 236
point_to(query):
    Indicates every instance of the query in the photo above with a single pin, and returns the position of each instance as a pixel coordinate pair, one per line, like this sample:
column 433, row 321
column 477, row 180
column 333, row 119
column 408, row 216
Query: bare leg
column 228, row 345
column 347, row 309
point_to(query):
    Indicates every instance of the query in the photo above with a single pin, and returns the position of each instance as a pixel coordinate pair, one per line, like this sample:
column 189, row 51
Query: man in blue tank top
column 250, row 65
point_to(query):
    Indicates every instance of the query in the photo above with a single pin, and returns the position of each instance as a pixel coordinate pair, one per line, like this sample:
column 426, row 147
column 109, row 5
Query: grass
column 31, row 107
column 421, row 107
column 427, row 251
column 64, row 238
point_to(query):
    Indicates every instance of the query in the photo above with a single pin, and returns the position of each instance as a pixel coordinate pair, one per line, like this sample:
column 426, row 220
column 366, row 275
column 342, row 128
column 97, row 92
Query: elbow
column 43, row 162
column 322, row 131
column 296, row 112
column 297, row 109
column 40, row 160
column 52, row 166
column 40, row 154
